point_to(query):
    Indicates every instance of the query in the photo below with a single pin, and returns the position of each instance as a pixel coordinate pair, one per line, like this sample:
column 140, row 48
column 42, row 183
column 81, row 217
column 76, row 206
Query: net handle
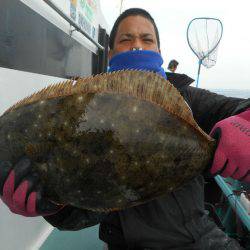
column 198, row 74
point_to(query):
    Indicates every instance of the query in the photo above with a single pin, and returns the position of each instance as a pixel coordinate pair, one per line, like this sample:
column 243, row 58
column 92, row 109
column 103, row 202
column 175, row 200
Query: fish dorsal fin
column 141, row 84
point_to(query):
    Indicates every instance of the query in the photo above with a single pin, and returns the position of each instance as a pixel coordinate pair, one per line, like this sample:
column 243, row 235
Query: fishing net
column 203, row 36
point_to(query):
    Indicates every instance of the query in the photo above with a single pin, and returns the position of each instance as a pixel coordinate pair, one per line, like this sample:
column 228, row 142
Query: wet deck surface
column 64, row 240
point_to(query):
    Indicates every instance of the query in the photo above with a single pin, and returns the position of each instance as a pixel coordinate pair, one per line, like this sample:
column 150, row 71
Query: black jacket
column 174, row 220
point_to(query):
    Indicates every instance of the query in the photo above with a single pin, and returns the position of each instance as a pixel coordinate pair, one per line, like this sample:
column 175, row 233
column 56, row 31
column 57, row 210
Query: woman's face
column 134, row 32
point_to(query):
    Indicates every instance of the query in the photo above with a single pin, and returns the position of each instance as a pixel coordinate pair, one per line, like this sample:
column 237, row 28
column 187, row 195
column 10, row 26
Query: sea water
column 240, row 93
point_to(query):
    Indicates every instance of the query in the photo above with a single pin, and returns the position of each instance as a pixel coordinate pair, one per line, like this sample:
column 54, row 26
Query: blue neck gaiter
column 138, row 59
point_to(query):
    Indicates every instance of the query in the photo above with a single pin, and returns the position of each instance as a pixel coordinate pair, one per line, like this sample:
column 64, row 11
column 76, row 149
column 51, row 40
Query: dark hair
column 132, row 12
column 172, row 64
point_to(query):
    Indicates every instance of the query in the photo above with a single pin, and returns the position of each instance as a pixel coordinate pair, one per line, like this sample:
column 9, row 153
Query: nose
column 135, row 48
column 136, row 44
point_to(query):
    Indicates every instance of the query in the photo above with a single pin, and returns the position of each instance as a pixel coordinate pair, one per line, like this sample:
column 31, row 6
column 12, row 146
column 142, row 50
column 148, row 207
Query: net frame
column 211, row 52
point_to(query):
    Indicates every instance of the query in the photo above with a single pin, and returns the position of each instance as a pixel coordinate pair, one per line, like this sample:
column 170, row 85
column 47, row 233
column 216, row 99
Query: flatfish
column 107, row 142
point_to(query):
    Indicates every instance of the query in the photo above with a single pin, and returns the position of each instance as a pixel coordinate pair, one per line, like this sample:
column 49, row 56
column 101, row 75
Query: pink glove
column 232, row 156
column 21, row 192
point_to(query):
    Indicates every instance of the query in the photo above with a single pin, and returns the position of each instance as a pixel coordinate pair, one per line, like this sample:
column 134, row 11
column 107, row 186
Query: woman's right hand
column 21, row 191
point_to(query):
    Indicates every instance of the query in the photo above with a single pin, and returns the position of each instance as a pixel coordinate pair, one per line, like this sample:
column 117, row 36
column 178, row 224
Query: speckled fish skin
column 104, row 151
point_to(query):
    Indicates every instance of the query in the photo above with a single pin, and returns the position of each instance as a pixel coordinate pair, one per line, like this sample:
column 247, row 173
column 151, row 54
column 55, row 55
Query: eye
column 125, row 40
column 148, row 40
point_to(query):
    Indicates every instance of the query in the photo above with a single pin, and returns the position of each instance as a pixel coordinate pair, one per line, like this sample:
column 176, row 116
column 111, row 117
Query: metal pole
column 72, row 23
column 121, row 6
column 198, row 75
